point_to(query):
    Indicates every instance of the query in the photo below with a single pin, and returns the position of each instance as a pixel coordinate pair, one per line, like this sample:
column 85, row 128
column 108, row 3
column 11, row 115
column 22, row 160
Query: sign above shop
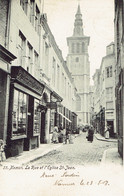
column 54, row 105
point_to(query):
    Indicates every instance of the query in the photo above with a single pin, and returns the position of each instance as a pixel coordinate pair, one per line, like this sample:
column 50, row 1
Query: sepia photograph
column 61, row 97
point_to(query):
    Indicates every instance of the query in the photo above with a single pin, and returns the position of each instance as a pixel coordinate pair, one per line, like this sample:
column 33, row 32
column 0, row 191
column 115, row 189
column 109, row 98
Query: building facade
column 119, row 71
column 54, row 73
column 37, row 99
column 79, row 66
column 104, row 93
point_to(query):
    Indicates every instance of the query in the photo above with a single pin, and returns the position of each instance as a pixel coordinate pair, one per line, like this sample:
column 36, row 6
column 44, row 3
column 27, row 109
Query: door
column 42, row 132
column 111, row 128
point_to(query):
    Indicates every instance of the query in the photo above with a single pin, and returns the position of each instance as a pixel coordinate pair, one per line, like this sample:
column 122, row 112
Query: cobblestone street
column 81, row 152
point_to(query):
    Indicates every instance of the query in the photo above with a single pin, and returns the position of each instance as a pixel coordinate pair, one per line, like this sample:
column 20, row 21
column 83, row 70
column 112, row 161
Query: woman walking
column 55, row 135
column 90, row 133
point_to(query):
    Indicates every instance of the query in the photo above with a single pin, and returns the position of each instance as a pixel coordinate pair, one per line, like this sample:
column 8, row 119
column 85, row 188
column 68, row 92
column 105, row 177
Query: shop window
column 36, row 117
column 19, row 120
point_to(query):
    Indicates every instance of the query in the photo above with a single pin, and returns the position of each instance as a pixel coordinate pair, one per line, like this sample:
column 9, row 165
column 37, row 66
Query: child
column 2, row 153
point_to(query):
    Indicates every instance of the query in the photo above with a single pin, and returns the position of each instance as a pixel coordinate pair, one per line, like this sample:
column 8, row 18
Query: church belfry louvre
column 79, row 67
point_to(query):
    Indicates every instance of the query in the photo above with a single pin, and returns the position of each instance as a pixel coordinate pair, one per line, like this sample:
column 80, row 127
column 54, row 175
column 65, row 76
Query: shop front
column 24, row 120
column 54, row 105
column 5, row 63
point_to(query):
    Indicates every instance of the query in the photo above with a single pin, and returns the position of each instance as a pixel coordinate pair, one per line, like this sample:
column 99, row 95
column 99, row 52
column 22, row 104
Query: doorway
column 42, row 132
column 111, row 130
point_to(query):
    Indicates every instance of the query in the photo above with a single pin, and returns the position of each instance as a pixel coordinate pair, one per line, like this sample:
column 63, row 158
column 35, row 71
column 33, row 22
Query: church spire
column 78, row 29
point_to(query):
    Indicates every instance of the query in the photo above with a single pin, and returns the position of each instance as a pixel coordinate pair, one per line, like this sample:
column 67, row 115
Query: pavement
column 110, row 155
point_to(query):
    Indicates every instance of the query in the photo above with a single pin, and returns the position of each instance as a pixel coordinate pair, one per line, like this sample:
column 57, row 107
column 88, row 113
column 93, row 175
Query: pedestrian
column 67, row 134
column 107, row 132
column 90, row 133
column 55, row 135
column 2, row 153
column 64, row 136
column 60, row 134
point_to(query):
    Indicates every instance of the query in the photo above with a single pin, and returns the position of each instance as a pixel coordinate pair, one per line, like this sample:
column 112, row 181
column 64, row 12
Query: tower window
column 72, row 49
column 83, row 47
column 78, row 48
column 77, row 59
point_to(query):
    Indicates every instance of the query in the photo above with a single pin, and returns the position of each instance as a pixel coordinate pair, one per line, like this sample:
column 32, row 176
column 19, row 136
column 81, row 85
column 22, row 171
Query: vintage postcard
column 61, row 97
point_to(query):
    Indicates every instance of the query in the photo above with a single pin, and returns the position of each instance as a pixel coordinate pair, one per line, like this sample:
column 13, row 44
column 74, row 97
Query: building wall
column 119, row 71
column 20, row 24
column 104, row 89
column 39, row 56
column 3, row 21
column 55, row 72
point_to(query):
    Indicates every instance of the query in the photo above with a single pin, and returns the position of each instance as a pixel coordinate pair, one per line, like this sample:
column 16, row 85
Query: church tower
column 79, row 66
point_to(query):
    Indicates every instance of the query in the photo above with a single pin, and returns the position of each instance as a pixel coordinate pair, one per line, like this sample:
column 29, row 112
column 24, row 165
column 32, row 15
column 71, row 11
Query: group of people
column 60, row 134
column 91, row 132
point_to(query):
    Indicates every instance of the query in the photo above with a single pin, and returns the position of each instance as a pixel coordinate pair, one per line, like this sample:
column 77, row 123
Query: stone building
column 55, row 74
column 104, row 93
column 79, row 66
column 119, row 71
column 31, row 83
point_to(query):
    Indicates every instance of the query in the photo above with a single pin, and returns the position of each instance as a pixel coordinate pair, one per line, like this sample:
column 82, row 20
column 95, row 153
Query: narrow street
column 81, row 152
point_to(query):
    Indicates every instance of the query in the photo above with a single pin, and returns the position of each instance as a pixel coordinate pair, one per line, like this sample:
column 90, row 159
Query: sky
column 98, row 23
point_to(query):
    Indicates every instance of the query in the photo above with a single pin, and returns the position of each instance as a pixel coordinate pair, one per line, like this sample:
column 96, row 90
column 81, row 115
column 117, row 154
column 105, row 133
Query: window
column 65, row 86
column 30, row 58
column 109, row 71
column 36, row 59
column 22, row 47
column 62, row 82
column 37, row 19
column 83, row 47
column 78, row 48
column 72, row 49
column 53, row 72
column 78, row 104
column 77, row 59
column 24, row 4
column 36, row 117
column 19, row 120
column 109, row 94
column 58, row 76
column 31, row 15
column 46, row 58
